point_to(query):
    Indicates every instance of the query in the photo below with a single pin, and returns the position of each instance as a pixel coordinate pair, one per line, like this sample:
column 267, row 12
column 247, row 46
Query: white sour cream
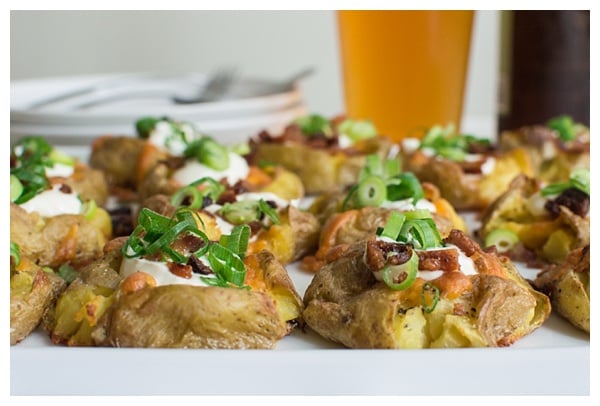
column 60, row 170
column 466, row 264
column 194, row 170
column 53, row 202
column 344, row 141
column 407, row 205
column 488, row 166
column 159, row 271
column 410, row 145
column 266, row 196
column 166, row 139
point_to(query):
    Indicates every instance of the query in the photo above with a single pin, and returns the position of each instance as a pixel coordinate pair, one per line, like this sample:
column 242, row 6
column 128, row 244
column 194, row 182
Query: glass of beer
column 405, row 69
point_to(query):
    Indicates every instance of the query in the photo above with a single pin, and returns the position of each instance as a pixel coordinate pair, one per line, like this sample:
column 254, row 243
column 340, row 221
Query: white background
column 271, row 44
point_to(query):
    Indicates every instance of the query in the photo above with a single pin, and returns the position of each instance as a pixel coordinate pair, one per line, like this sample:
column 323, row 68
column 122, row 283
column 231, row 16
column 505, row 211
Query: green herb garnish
column 67, row 272
column 15, row 253
column 565, row 126
column 208, row 152
column 579, row 179
column 314, row 124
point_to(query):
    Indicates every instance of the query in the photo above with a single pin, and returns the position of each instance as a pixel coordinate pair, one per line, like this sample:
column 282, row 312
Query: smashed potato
column 346, row 303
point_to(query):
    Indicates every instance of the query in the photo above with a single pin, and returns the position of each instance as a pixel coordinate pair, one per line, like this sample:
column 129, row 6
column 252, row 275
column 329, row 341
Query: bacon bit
column 485, row 263
column 181, row 270
column 432, row 260
column 137, row 281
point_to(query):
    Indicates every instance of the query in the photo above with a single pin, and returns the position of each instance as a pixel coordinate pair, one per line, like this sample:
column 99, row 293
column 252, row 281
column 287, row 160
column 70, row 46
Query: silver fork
column 214, row 89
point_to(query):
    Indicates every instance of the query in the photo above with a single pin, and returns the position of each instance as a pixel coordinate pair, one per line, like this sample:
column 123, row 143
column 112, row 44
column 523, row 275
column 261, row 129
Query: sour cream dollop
column 53, row 202
column 159, row 271
column 194, row 170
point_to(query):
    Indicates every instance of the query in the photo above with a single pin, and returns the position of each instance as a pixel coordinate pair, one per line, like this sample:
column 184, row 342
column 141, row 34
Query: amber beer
column 405, row 70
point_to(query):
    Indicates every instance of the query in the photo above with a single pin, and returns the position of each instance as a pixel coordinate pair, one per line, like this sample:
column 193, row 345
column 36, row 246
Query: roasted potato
column 318, row 159
column 346, row 303
column 52, row 241
column 465, row 190
column 568, row 286
column 102, row 308
column 553, row 156
column 542, row 235
column 33, row 291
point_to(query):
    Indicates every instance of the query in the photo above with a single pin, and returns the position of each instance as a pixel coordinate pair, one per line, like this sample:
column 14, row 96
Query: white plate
column 246, row 97
column 226, row 131
column 553, row 360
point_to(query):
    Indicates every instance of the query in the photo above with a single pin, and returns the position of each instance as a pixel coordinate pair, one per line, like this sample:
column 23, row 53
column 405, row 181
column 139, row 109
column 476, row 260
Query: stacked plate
column 72, row 111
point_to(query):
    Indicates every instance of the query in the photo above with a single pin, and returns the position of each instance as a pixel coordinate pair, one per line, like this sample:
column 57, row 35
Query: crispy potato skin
column 53, row 241
column 95, row 311
column 32, row 292
column 468, row 191
column 346, row 304
column 552, row 159
column 117, row 157
column 194, row 317
column 89, row 183
column 549, row 239
column 321, row 170
column 568, row 286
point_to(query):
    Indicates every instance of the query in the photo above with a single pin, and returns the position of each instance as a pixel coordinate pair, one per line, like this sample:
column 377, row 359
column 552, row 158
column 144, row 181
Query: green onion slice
column 357, row 129
column 237, row 241
column 156, row 233
column 400, row 277
column 421, row 233
column 565, row 127
column 246, row 211
column 503, row 239
column 88, row 209
column 67, row 273
column 393, row 226
column 194, row 193
column 314, row 124
column 208, row 152
column 228, row 267
column 16, row 188
column 408, row 187
column 430, row 296
column 144, row 126
column 371, row 191
column 15, row 253
column 579, row 179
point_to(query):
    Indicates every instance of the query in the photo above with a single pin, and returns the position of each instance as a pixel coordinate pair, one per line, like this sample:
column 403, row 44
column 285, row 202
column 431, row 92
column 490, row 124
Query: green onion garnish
column 379, row 181
column 371, row 191
column 16, row 188
column 357, row 129
column 192, row 195
column 145, row 126
column 67, row 272
column 400, row 277
column 430, row 296
column 314, row 124
column 565, row 127
column 156, row 233
column 208, row 152
column 247, row 211
column 393, row 226
column 579, row 179
column 88, row 209
column 503, row 239
column 413, row 228
column 15, row 253
column 446, row 143
column 228, row 267
column 404, row 186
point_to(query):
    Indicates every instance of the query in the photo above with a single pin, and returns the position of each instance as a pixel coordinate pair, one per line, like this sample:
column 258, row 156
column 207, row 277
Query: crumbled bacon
column 434, row 260
column 574, row 199
column 380, row 253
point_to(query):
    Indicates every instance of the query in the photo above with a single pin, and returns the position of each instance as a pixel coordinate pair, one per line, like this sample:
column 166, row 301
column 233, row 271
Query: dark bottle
column 546, row 67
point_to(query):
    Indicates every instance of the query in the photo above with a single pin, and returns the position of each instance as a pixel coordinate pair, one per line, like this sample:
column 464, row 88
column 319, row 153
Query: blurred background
column 263, row 44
